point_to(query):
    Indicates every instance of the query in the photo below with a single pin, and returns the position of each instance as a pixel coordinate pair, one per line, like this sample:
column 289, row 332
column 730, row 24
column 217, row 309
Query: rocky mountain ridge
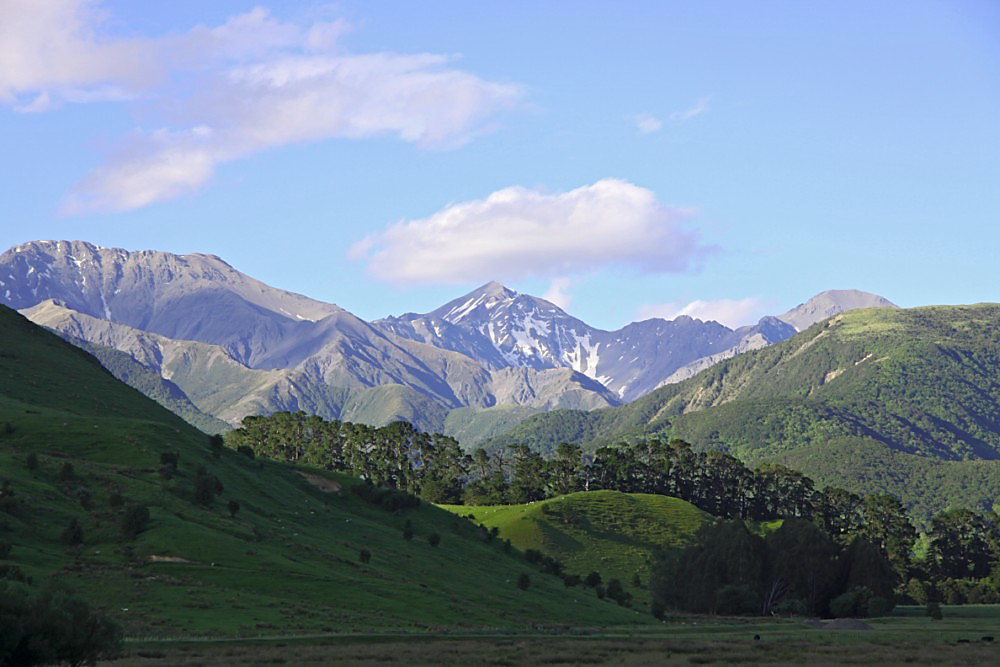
column 237, row 346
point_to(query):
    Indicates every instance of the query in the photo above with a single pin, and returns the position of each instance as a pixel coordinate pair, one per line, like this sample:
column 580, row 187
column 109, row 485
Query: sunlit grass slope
column 610, row 532
column 288, row 560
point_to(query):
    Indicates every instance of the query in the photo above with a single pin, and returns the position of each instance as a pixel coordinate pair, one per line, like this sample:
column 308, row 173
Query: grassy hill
column 77, row 447
column 923, row 382
column 610, row 532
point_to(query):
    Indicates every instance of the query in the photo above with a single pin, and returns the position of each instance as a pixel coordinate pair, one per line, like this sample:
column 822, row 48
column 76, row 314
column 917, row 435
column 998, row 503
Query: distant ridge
column 830, row 303
column 235, row 346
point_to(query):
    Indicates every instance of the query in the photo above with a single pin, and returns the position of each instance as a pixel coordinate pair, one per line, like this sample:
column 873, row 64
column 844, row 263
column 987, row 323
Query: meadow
column 907, row 637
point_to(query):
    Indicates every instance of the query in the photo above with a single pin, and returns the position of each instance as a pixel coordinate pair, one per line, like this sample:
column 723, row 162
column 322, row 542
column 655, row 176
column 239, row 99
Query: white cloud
column 646, row 123
column 700, row 107
column 50, row 50
column 732, row 313
column 229, row 91
column 557, row 294
column 516, row 233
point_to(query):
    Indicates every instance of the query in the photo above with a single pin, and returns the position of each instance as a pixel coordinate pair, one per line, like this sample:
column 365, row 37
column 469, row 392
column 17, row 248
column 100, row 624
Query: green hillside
column 233, row 545
column 610, row 532
column 151, row 384
column 923, row 382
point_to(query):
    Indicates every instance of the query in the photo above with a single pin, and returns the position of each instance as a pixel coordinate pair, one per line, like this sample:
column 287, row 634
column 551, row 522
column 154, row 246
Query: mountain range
column 901, row 401
column 226, row 345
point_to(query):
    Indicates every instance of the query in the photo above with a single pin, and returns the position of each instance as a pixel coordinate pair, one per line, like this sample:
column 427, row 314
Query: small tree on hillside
column 135, row 521
column 523, row 581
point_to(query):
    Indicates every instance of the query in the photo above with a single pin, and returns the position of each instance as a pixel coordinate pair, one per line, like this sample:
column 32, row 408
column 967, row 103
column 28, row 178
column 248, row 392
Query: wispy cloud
column 557, row 294
column 646, row 123
column 517, row 233
column 732, row 313
column 700, row 107
column 229, row 91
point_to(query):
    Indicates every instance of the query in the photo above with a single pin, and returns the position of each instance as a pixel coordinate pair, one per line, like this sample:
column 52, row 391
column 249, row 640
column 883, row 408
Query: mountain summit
column 830, row 303
column 236, row 346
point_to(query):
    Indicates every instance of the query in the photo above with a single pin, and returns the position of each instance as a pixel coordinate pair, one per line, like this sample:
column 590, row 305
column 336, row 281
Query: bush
column 592, row 580
column 407, row 530
column 434, row 539
column 617, row 592
column 391, row 500
column 116, row 499
column 31, row 461
column 853, row 603
column 364, row 556
column 135, row 521
column 933, row 610
column 600, row 591
column 878, row 606
column 571, row 580
column 85, row 497
column 216, row 444
column 170, row 458
column 736, row 601
column 533, row 555
column 67, row 473
column 233, row 507
column 523, row 581
column 73, row 532
column 206, row 487
column 246, row 451
column 52, row 627
column 5, row 548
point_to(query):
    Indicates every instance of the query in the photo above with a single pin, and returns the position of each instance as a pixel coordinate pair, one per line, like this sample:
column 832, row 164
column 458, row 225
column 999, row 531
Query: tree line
column 961, row 551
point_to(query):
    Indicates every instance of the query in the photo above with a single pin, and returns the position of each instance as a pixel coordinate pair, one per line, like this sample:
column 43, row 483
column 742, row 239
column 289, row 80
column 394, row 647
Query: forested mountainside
column 922, row 382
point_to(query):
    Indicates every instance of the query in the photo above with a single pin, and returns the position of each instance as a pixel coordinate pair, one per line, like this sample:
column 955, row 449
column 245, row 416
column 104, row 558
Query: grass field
column 610, row 532
column 287, row 562
column 906, row 638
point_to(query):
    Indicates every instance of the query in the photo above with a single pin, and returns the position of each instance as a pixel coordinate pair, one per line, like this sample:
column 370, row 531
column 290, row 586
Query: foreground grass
column 907, row 638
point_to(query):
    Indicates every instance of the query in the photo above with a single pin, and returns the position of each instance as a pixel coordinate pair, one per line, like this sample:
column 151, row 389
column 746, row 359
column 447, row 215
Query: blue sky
column 721, row 159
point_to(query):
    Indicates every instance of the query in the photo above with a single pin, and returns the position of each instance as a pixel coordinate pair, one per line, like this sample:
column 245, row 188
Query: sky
column 626, row 160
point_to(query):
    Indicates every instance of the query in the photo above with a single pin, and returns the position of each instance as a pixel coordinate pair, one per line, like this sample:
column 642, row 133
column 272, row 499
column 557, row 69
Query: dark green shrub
column 52, row 627
column 853, row 603
column 135, row 521
column 600, row 591
column 73, row 532
column 206, row 487
column 116, row 499
column 592, row 580
column 246, row 451
column 434, row 539
column 85, row 497
column 31, row 461
column 364, row 556
column 523, row 581
column 407, row 530
column 571, row 580
column 67, row 473
column 736, row 601
column 878, row 606
column 170, row 458
column 234, row 507
column 216, row 444
column 617, row 592
column 8, row 499
column 933, row 610
column 533, row 555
